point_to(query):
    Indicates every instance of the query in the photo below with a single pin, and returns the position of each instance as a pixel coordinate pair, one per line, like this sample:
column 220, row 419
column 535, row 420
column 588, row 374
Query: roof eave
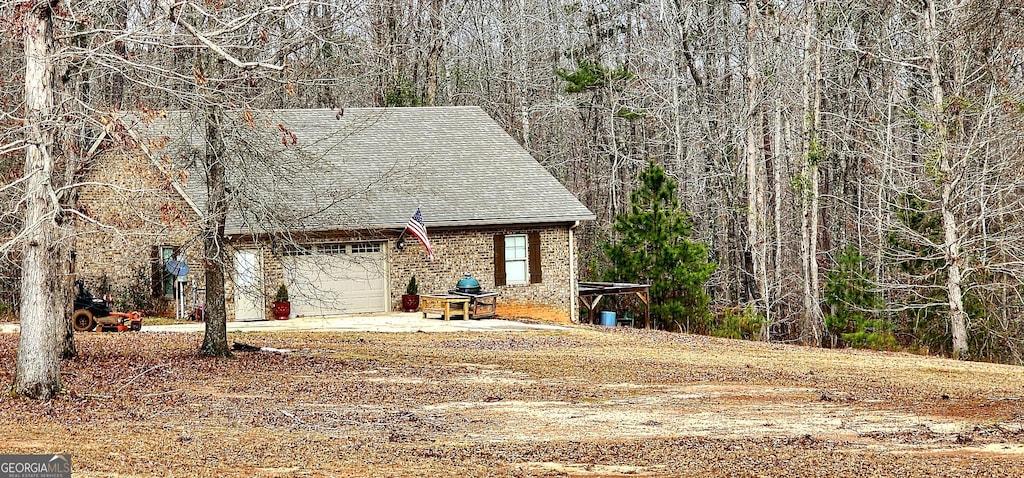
column 431, row 225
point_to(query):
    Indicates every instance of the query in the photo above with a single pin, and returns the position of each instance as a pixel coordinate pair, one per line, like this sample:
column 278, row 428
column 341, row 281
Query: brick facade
column 459, row 251
column 472, row 251
column 131, row 208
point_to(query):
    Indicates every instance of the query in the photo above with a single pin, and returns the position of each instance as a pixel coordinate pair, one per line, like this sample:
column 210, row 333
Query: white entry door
column 249, row 303
column 336, row 279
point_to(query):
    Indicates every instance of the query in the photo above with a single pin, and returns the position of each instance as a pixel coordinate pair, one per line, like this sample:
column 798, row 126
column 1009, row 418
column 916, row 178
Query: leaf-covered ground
column 581, row 402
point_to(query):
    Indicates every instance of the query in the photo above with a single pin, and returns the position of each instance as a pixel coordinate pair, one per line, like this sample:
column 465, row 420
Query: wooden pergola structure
column 591, row 294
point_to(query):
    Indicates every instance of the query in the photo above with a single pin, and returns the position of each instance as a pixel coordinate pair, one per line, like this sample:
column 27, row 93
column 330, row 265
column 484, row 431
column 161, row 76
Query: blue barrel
column 608, row 318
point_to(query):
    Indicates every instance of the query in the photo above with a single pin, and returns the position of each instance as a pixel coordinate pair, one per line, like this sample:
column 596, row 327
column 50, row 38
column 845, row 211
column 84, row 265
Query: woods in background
column 851, row 166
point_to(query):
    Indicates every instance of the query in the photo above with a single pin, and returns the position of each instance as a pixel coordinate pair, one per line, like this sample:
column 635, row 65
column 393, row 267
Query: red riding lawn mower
column 91, row 311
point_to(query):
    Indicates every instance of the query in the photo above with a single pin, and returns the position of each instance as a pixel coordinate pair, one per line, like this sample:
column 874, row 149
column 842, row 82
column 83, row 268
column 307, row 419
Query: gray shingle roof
column 371, row 168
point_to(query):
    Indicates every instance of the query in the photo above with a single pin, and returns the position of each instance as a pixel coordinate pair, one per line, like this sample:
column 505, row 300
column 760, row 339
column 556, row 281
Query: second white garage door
column 333, row 279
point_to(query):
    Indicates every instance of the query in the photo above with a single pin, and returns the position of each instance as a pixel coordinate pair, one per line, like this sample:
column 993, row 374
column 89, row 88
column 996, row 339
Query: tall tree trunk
column 813, row 320
column 949, row 176
column 67, row 346
column 117, row 77
column 521, row 88
column 882, row 188
column 385, row 27
column 755, row 201
column 215, row 340
column 37, row 372
column 72, row 143
column 777, row 161
column 433, row 54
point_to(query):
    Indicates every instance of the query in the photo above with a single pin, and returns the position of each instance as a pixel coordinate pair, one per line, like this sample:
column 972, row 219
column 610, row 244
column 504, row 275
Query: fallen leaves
column 586, row 402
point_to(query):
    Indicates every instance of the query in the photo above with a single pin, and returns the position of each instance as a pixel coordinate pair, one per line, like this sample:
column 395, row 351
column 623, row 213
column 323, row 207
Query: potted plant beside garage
column 282, row 308
column 411, row 298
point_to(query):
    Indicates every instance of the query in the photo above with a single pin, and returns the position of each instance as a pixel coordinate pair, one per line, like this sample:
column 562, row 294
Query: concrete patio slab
column 398, row 322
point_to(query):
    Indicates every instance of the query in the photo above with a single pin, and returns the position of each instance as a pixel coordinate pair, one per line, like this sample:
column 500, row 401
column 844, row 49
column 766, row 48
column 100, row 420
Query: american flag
column 416, row 227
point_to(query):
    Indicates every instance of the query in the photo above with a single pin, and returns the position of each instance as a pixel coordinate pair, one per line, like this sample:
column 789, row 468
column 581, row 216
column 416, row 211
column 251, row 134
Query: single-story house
column 318, row 200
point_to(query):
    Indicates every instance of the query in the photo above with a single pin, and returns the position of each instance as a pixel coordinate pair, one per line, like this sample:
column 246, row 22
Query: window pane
column 515, row 271
column 515, row 248
column 515, row 259
column 293, row 250
column 365, row 247
column 166, row 254
column 332, row 249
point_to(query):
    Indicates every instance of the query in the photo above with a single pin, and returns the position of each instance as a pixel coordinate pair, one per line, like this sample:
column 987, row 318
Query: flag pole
column 400, row 242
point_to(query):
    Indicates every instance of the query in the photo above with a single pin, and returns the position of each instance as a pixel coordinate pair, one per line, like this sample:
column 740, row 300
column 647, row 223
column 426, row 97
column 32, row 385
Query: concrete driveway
column 397, row 322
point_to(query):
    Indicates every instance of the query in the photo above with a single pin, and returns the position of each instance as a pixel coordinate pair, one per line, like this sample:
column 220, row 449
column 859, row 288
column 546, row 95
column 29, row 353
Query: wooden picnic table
column 443, row 304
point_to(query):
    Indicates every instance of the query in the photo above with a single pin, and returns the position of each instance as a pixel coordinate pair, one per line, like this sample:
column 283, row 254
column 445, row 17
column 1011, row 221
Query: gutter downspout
column 574, row 291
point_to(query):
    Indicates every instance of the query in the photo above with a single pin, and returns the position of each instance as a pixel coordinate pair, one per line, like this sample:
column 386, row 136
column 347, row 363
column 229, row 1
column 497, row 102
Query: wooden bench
column 443, row 304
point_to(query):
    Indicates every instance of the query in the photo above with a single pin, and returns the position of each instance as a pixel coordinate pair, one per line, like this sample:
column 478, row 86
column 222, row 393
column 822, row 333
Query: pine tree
column 854, row 316
column 654, row 247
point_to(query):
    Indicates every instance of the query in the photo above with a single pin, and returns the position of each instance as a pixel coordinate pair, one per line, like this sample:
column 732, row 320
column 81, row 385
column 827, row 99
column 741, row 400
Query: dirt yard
column 582, row 402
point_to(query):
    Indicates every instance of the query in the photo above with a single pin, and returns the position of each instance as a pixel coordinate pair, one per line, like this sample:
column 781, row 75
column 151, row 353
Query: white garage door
column 332, row 279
